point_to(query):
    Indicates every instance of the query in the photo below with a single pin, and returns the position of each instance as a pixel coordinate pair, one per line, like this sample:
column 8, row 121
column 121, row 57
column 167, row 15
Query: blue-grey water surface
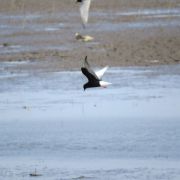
column 130, row 130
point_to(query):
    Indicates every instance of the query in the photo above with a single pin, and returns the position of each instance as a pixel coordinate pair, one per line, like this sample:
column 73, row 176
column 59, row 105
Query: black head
column 91, row 85
column 85, row 86
column 79, row 1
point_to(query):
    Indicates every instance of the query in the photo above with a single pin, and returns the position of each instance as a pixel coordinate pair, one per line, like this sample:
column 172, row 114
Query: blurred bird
column 94, row 78
column 84, row 10
column 85, row 38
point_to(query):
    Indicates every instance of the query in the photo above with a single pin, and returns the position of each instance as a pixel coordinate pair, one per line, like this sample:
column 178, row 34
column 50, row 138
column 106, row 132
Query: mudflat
column 126, row 33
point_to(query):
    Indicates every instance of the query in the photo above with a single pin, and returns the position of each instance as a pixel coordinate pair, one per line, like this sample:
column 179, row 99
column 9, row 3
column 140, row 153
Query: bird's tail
column 104, row 83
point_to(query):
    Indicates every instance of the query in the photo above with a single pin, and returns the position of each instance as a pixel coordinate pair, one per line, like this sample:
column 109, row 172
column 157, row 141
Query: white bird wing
column 101, row 72
column 84, row 11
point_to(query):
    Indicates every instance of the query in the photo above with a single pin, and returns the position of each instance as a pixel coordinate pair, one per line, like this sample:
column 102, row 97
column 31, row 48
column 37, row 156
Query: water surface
column 127, row 131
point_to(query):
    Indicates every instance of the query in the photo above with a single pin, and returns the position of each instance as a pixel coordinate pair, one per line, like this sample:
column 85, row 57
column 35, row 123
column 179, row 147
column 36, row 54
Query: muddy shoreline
column 137, row 33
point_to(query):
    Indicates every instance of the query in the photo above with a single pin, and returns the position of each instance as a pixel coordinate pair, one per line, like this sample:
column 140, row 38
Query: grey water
column 130, row 130
column 145, row 18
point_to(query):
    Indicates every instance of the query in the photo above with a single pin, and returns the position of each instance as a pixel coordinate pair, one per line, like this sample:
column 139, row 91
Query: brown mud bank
column 126, row 33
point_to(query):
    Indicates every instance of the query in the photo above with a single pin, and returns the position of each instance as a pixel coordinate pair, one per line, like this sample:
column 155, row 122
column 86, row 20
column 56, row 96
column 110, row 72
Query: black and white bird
column 94, row 78
column 84, row 10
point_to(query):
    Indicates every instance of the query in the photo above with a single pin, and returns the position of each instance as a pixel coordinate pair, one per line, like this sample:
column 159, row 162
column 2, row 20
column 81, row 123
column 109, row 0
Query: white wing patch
column 101, row 72
column 104, row 83
column 84, row 11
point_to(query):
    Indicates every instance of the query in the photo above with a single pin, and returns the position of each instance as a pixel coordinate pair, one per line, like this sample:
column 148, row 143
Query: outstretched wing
column 101, row 72
column 84, row 10
column 89, row 69
column 89, row 76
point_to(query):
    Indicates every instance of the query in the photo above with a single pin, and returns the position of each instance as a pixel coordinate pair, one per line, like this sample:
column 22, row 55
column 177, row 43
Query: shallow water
column 127, row 131
column 30, row 23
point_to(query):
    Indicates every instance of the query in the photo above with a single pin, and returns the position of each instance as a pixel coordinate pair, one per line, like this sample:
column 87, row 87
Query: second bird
column 84, row 10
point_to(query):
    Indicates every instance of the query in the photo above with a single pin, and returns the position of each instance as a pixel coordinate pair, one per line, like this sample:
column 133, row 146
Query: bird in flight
column 84, row 10
column 94, row 78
